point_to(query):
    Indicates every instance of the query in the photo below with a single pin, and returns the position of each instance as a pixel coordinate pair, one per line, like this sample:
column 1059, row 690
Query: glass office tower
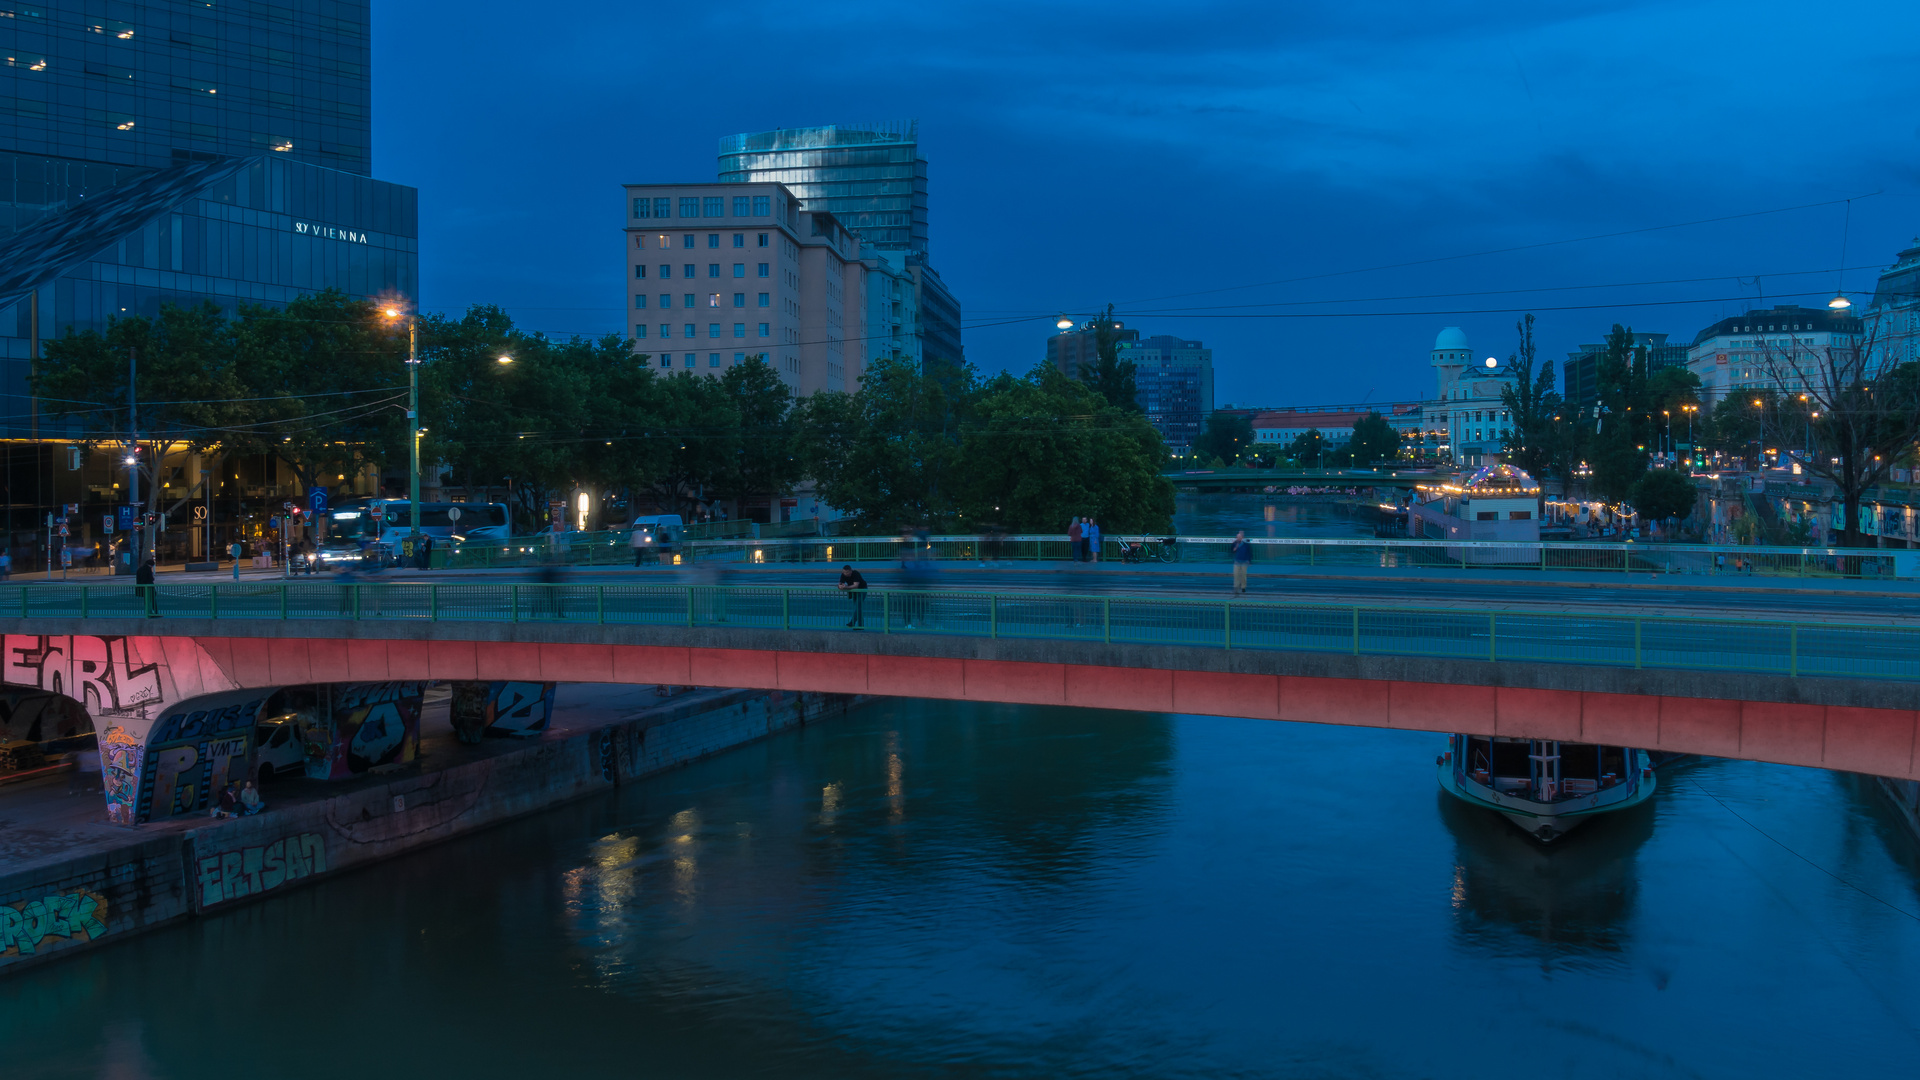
column 156, row 152
column 872, row 179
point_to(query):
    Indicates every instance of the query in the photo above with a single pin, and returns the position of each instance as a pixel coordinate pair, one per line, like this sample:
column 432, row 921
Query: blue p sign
column 317, row 500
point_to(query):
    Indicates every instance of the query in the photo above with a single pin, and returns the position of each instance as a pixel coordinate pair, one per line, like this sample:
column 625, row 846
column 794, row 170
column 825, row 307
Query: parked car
column 279, row 749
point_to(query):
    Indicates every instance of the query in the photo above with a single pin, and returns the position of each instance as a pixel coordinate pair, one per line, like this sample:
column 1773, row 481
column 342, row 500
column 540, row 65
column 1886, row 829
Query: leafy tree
column 1112, row 377
column 765, row 459
column 1663, row 494
column 889, row 453
column 1373, row 440
column 1309, row 448
column 1622, row 434
column 1043, row 447
column 1227, row 436
column 1535, row 409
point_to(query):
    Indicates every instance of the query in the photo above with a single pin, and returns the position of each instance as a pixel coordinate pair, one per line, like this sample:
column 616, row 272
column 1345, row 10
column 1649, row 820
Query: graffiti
column 185, row 726
column 231, row 875
column 120, row 757
column 194, row 752
column 23, row 927
column 98, row 672
column 374, row 727
column 607, row 756
column 509, row 709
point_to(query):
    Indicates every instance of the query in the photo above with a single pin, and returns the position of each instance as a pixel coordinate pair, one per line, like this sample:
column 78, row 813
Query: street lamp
column 413, row 417
column 504, row 360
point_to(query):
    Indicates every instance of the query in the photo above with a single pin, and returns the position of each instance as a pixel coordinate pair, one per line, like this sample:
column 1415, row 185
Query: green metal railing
column 610, row 549
column 1731, row 644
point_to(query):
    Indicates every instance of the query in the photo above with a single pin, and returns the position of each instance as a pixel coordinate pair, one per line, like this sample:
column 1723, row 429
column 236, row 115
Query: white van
column 663, row 532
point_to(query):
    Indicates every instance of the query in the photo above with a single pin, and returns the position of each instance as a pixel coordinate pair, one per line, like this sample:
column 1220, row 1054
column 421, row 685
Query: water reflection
column 1511, row 894
column 1223, row 515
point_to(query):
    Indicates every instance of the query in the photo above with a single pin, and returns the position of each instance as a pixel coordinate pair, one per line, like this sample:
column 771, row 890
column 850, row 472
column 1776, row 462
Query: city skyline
column 1285, row 143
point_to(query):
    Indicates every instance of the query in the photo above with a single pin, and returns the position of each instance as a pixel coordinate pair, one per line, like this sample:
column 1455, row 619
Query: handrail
column 1797, row 648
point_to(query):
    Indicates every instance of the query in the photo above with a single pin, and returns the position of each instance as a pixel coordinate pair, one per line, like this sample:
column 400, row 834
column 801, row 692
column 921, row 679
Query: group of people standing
column 1083, row 536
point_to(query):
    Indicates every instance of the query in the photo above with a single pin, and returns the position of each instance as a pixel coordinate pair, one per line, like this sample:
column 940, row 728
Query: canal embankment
column 1905, row 795
column 69, row 882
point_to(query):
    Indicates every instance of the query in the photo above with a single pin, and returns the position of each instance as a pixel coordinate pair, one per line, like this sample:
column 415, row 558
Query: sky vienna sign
column 306, row 228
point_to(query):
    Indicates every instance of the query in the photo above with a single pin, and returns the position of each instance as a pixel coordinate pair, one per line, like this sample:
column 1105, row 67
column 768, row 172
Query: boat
column 1545, row 787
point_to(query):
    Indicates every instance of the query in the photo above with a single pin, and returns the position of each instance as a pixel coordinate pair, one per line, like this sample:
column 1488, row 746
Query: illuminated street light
column 1064, row 323
column 505, row 360
column 1839, row 302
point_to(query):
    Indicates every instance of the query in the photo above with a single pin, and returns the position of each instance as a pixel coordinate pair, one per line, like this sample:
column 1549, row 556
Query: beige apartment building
column 720, row 272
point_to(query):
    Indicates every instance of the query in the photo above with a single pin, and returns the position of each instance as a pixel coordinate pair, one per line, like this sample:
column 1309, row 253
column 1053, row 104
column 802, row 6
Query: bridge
column 1220, row 481
column 1815, row 692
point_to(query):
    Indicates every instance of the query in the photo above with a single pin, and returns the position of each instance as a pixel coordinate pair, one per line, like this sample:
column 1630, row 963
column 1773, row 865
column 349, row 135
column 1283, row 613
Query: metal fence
column 592, row 549
column 1781, row 648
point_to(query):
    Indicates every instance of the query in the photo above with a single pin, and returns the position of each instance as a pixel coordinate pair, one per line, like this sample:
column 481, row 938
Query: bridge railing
column 1771, row 647
column 605, row 549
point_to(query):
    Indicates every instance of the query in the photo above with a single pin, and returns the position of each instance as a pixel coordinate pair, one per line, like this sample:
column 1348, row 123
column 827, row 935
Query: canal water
column 947, row 890
column 1223, row 515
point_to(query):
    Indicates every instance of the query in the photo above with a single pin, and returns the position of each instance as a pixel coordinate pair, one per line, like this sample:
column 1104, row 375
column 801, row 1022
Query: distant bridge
column 1254, row 481
column 1802, row 693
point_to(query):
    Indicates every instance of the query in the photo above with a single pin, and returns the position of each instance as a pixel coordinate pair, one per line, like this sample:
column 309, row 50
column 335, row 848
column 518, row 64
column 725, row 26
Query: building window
column 686, row 240
column 739, row 269
column 666, row 330
column 765, row 331
column 766, row 300
column 763, row 240
column 739, row 240
column 760, row 209
column 739, row 299
column 739, row 329
column 691, row 302
column 1487, row 515
column 716, row 206
column 739, row 358
column 661, row 207
column 692, row 330
column 713, row 239
column 666, row 300
column 713, row 359
column 689, row 207
column 639, row 271
column 713, row 299
column 739, row 206
column 687, row 270
column 640, row 301
column 642, row 208
column 763, row 270
column 639, row 330
column 713, row 270
column 1519, row 515
column 666, row 271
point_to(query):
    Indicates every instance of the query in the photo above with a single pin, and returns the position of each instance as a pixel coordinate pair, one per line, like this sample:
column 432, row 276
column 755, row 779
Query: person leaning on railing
column 855, row 587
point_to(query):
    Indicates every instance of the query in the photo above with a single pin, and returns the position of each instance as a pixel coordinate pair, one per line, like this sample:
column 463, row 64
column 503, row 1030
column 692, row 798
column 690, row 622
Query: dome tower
column 1451, row 356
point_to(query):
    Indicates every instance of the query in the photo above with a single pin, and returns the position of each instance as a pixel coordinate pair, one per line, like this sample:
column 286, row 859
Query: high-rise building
column 872, row 179
column 1173, row 380
column 1771, row 349
column 1075, row 351
column 178, row 153
column 723, row 272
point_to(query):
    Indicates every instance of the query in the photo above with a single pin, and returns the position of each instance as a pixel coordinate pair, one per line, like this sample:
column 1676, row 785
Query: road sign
column 106, row 523
column 63, row 528
column 453, row 513
column 124, row 514
column 72, row 509
column 317, row 500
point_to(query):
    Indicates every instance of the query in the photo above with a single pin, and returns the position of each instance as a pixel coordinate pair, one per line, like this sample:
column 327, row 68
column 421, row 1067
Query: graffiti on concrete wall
column 100, row 673
column 194, row 752
column 121, row 755
column 509, row 709
column 374, row 727
column 231, row 875
column 26, row 925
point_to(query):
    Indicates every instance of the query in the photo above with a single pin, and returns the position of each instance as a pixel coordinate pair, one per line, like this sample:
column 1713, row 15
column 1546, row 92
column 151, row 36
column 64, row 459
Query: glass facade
column 870, row 177
column 1173, row 384
column 152, row 83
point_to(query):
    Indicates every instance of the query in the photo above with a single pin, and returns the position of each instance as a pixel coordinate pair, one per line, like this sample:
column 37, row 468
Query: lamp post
column 413, row 420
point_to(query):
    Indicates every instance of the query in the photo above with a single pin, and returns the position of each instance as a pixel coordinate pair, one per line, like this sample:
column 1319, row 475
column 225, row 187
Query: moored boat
column 1544, row 786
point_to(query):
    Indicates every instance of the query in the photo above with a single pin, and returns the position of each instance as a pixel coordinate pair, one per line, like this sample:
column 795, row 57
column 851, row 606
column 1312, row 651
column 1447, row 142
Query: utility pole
column 413, row 425
column 137, row 541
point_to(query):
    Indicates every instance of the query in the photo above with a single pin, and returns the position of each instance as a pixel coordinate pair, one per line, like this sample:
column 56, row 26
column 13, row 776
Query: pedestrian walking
column 6, row 565
column 143, row 586
column 855, row 586
column 637, row 540
column 1073, row 539
column 1242, row 555
column 1093, row 540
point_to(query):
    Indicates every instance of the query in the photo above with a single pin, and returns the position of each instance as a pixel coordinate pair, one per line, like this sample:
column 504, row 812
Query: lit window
column 713, row 299
column 765, row 331
column 716, row 206
column 689, row 207
column 739, row 299
column 763, row 270
column 739, row 329
column 739, row 206
column 640, row 301
column 665, row 242
column 760, row 209
column 765, row 300
column 739, row 269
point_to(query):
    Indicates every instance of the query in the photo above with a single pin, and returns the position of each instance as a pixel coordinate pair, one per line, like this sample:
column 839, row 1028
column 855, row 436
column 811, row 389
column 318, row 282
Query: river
column 931, row 889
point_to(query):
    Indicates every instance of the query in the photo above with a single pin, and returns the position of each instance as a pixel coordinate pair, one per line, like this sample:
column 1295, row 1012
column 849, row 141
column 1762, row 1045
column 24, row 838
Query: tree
column 1227, row 437
column 1373, row 440
column 1663, row 494
column 765, row 460
column 1868, row 403
column 1622, row 434
column 1112, row 377
column 889, row 453
column 1040, row 448
column 1308, row 447
column 1534, row 407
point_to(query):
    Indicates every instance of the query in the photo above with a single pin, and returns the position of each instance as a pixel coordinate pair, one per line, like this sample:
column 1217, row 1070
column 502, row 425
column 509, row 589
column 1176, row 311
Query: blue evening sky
column 1202, row 165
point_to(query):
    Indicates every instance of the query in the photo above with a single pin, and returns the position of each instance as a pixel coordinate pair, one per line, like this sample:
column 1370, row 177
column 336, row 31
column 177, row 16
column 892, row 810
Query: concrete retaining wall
column 152, row 882
column 1906, row 798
